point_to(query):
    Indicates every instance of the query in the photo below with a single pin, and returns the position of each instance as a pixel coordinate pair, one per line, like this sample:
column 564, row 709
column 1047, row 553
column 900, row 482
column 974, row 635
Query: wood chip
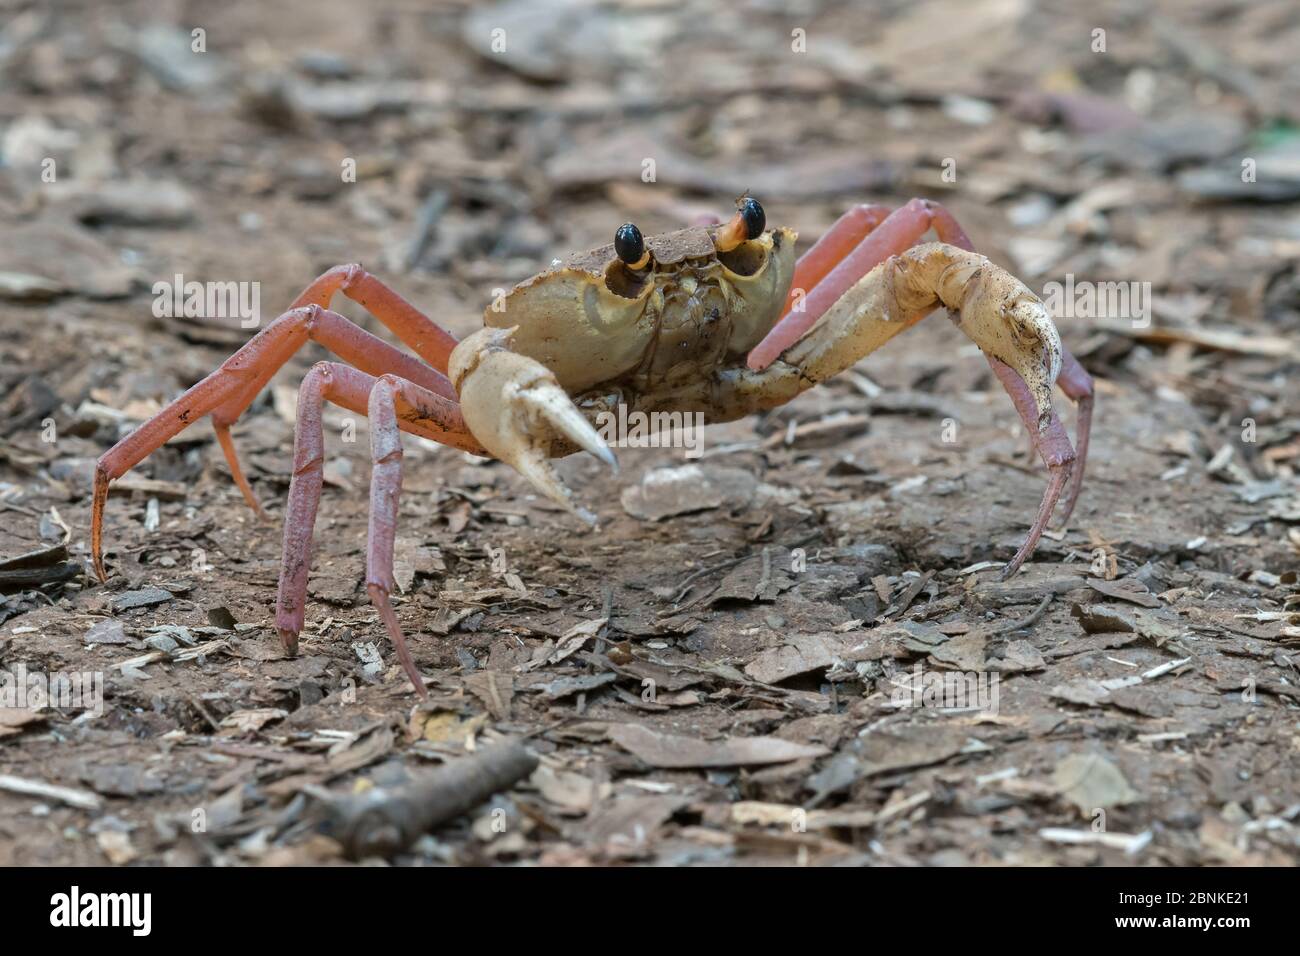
column 670, row 750
column 82, row 799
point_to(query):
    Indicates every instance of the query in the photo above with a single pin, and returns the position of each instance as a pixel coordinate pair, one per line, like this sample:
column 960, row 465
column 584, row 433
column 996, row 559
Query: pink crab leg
column 391, row 403
column 897, row 232
column 900, row 229
column 248, row 371
column 385, row 490
column 1052, row 444
column 1078, row 386
column 426, row 338
column 835, row 243
column 1074, row 381
column 227, row 444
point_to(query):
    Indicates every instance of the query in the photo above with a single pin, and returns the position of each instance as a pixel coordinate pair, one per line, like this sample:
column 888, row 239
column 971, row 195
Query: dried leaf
column 572, row 791
column 1091, row 782
column 495, row 689
column 1126, row 589
column 803, row 653
column 251, row 721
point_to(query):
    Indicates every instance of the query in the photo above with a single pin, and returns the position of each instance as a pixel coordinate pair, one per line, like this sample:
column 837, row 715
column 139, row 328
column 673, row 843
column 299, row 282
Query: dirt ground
column 719, row 673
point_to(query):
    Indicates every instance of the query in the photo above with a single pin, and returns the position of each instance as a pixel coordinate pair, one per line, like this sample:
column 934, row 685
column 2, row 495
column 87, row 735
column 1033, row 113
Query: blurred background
column 489, row 138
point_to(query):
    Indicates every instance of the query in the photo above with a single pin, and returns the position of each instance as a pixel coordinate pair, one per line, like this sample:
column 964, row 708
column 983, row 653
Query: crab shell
column 593, row 320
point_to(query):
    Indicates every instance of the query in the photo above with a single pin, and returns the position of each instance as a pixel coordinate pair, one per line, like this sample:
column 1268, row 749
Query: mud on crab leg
column 240, row 378
column 1073, row 381
column 836, row 262
column 391, row 403
column 825, row 281
column 895, row 234
column 1007, row 321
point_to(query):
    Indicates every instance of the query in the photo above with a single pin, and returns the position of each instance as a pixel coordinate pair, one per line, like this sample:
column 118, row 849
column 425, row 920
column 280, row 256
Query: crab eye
column 755, row 219
column 629, row 244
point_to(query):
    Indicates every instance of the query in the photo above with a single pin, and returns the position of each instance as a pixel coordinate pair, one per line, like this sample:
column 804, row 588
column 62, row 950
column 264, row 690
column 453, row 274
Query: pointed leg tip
column 1076, row 486
column 99, row 499
column 236, row 471
column 289, row 639
column 97, row 556
column 379, row 598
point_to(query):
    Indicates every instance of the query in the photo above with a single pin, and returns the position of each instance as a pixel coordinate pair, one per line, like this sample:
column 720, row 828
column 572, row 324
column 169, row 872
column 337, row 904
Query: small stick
column 386, row 820
column 426, row 219
column 1034, row 616
column 1164, row 668
column 81, row 799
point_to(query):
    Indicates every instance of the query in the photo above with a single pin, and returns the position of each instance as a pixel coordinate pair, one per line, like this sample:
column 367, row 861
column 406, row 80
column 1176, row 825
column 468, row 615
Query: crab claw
column 516, row 409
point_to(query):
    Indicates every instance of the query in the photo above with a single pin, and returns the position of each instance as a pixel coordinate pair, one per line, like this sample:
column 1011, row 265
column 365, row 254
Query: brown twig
column 1034, row 616
column 386, row 820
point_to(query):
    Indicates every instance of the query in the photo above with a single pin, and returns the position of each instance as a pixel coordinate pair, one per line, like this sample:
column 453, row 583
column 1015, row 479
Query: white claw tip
column 607, row 456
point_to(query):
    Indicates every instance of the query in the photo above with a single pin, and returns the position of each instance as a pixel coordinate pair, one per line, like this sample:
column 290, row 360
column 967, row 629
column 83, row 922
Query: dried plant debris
column 36, row 568
column 1092, row 782
column 670, row 750
column 786, row 638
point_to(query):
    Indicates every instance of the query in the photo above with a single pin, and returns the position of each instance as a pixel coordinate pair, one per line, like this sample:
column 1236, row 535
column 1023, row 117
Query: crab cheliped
column 719, row 320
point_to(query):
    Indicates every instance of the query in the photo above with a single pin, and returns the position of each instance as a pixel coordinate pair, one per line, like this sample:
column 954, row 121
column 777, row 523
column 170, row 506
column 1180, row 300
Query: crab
column 718, row 319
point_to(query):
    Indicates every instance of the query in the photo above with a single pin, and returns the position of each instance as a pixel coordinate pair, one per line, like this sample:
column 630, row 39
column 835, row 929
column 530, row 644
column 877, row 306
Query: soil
column 721, row 671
